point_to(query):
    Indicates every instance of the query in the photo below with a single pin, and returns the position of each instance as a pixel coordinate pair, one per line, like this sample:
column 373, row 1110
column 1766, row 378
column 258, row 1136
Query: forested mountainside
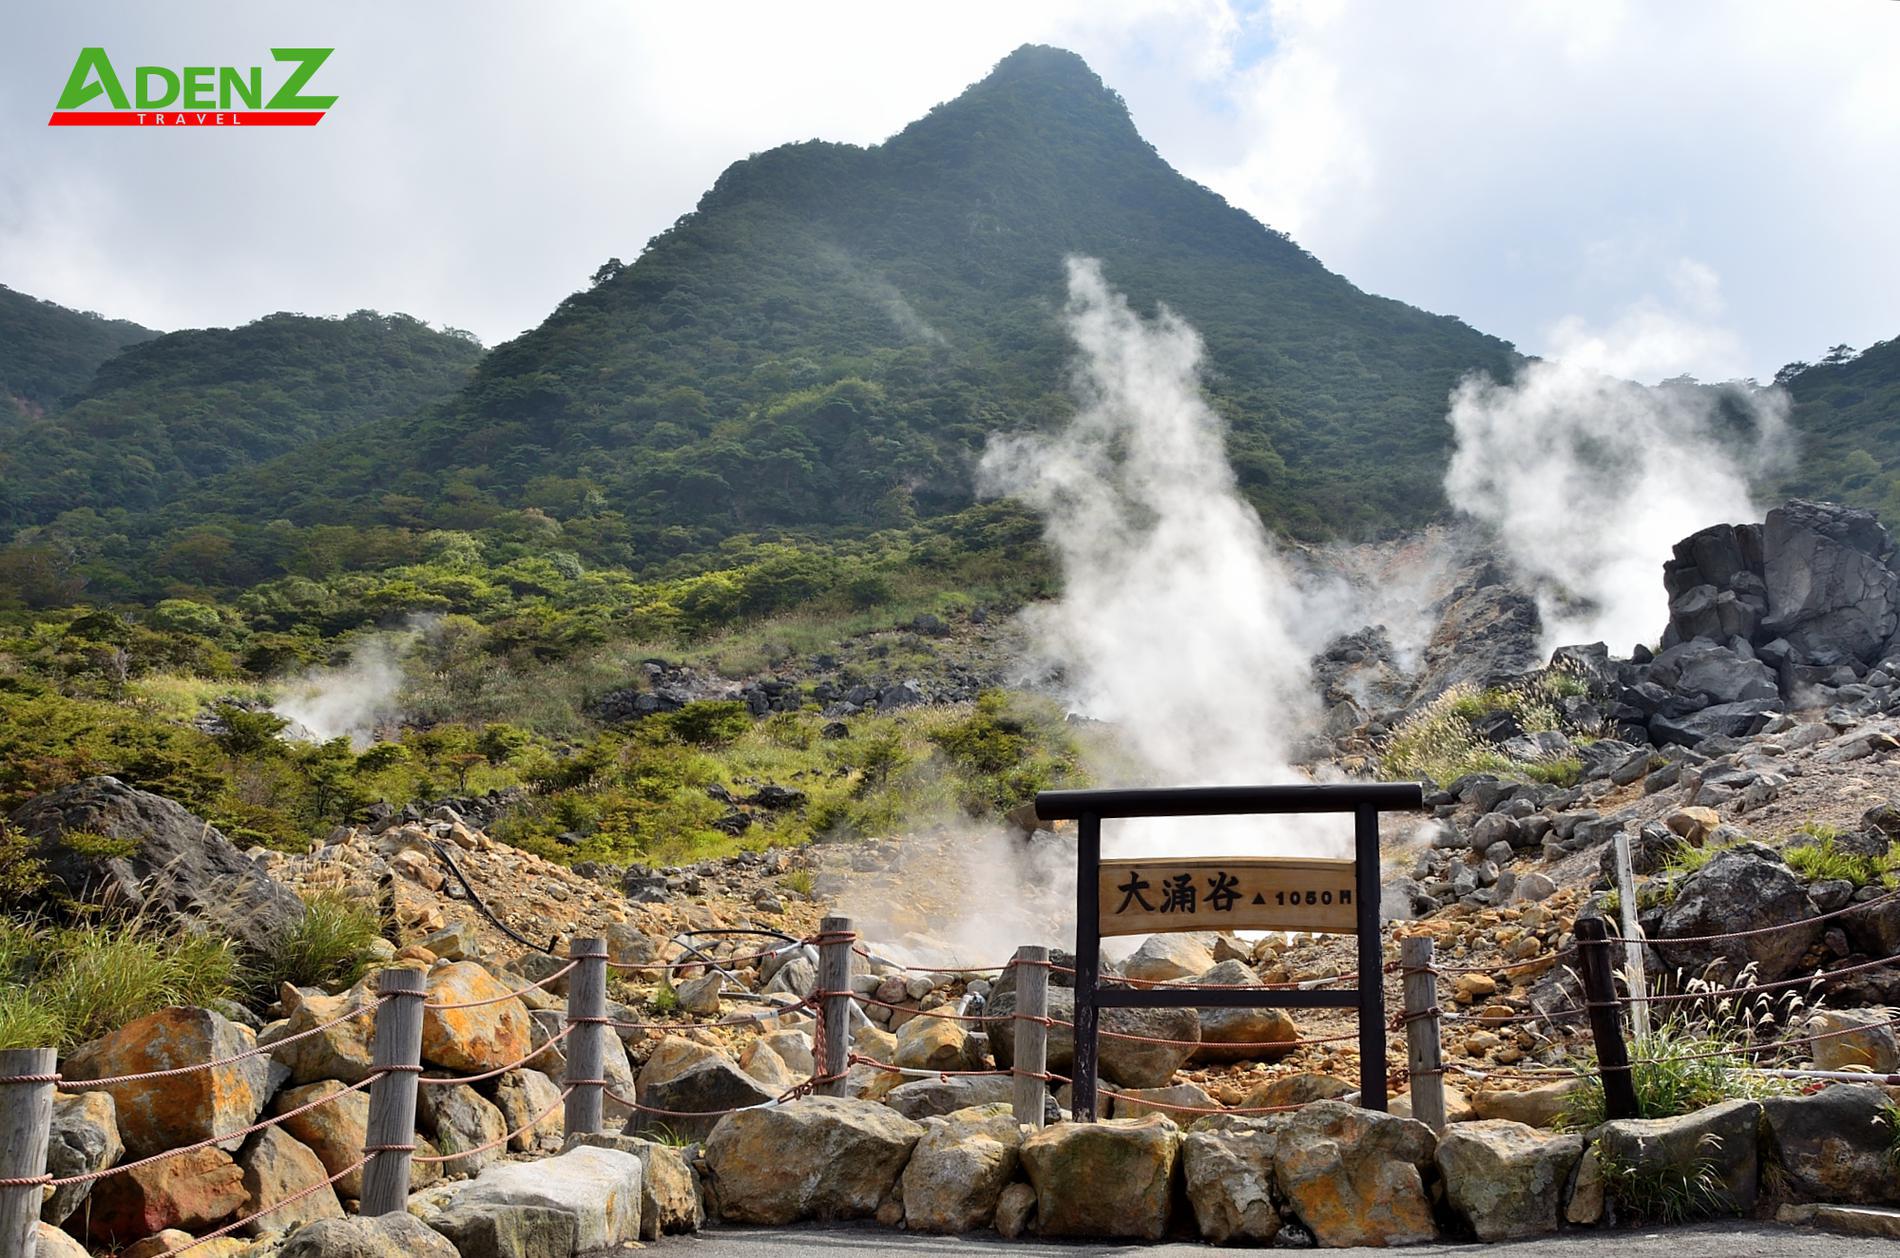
column 48, row 352
column 823, row 344
column 169, row 412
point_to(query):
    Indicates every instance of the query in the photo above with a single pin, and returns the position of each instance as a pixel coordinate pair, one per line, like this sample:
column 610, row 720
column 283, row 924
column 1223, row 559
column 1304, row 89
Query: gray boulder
column 1706, row 1160
column 1832, row 592
column 599, row 1187
column 1505, row 1178
column 1701, row 673
column 820, row 1157
column 176, row 866
column 1228, row 1168
column 931, row 1098
column 1744, row 888
column 1834, row 1145
column 386, row 1236
column 85, row 1138
column 696, row 1097
column 1128, row 1063
column 495, row 1230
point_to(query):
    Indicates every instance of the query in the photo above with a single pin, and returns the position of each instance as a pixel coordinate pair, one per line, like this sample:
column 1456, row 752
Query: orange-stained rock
column 158, row 1114
column 276, row 1169
column 342, row 1051
column 171, row 1239
column 1354, row 1176
column 337, row 1131
column 483, row 1038
column 192, row 1192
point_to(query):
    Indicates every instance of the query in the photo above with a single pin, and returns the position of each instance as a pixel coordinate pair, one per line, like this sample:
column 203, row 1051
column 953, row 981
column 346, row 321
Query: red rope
column 90, row 1176
column 520, row 991
column 496, row 1143
column 94, row 1085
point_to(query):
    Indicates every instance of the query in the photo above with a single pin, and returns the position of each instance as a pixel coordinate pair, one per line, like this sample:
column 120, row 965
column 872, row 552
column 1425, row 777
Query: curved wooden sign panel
column 1147, row 897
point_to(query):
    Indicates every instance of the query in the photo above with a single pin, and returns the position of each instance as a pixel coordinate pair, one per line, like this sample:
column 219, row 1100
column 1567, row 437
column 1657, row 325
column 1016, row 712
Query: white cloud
column 1463, row 157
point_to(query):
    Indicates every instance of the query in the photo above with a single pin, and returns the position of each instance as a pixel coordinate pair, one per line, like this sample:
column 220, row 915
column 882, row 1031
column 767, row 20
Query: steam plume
column 1588, row 481
column 357, row 698
column 1177, row 619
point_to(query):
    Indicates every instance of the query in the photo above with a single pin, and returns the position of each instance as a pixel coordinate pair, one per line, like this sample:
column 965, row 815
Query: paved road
column 1714, row 1240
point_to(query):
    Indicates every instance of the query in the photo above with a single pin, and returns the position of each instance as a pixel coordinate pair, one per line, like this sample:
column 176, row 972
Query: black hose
column 475, row 898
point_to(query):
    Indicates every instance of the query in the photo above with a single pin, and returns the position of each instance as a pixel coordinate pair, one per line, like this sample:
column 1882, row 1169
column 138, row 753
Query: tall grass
column 70, row 984
column 330, row 948
column 1676, row 1069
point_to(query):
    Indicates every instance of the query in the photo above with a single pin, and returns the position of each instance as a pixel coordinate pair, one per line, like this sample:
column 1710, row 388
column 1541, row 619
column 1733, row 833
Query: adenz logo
column 192, row 96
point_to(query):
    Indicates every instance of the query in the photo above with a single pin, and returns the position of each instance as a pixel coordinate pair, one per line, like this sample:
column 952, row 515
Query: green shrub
column 1675, row 1069
column 330, row 948
column 22, row 873
column 26, row 1022
column 1823, row 857
column 1667, row 1192
column 91, row 979
column 709, row 722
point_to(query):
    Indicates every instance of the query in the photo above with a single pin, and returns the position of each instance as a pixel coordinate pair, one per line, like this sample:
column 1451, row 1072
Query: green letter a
column 78, row 91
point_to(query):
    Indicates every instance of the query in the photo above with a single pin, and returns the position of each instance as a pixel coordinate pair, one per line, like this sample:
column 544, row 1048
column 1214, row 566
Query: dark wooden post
column 1606, row 1028
column 834, row 1011
column 397, row 1053
column 586, row 1043
column 1088, row 961
column 1371, row 980
column 26, row 1124
column 1032, row 1034
column 1423, row 1052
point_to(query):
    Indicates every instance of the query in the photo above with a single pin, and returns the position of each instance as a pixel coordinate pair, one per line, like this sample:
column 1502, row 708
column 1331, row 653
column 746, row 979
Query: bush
column 1823, row 857
column 1667, row 1193
column 1675, row 1069
column 89, row 980
column 710, row 722
column 330, row 948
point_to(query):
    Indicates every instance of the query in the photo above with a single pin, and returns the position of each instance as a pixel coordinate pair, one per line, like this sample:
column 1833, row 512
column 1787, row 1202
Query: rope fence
column 397, row 1073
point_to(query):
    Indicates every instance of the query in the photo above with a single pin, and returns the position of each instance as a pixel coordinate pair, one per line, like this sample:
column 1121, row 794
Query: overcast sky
column 1692, row 185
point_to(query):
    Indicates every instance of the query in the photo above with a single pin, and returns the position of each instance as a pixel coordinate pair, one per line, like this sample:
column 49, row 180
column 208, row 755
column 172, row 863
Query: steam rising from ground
column 1178, row 618
column 356, row 698
column 1589, row 480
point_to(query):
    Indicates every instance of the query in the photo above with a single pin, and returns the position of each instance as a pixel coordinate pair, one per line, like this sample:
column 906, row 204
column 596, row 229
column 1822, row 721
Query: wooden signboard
column 1146, row 897
column 1142, row 897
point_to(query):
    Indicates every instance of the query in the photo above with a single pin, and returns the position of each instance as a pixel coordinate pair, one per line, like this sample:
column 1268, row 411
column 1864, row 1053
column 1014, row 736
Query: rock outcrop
column 161, row 860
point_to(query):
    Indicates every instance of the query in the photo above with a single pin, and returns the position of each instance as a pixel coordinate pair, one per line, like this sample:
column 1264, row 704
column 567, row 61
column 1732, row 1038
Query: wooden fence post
column 26, row 1124
column 834, row 1011
column 1606, row 1028
column 397, row 1054
column 586, row 1043
column 1032, row 1032
column 1633, row 975
column 1424, row 1059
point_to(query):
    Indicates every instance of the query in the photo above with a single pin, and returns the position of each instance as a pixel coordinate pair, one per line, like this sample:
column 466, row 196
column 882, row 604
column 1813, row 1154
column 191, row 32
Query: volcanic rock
column 277, row 1168
column 1354, row 1176
column 387, row 1236
column 176, row 866
column 959, row 1169
column 473, row 1040
column 813, row 1158
column 1721, row 1137
column 1228, row 1165
column 1741, row 889
column 85, row 1138
column 599, row 1187
column 158, row 1114
column 1505, row 1178
column 1106, row 1179
column 1835, row 1145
